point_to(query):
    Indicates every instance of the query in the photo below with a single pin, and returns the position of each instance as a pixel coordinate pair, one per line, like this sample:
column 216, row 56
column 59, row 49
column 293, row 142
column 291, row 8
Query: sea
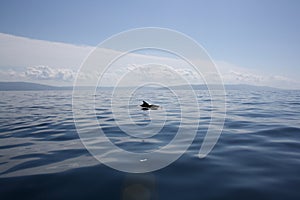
column 43, row 156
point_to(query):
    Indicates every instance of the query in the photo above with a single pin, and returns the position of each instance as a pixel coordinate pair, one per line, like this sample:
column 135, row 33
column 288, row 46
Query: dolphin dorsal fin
column 145, row 104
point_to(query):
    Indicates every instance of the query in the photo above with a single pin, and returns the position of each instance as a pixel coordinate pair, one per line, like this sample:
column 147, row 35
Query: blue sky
column 256, row 35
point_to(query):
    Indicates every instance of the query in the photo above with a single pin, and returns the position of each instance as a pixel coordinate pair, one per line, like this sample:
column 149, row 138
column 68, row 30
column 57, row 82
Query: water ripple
column 256, row 157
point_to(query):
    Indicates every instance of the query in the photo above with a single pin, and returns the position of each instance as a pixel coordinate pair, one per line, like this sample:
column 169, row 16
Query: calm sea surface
column 257, row 155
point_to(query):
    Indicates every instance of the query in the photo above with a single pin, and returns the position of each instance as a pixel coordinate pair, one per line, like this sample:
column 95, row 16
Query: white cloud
column 232, row 74
column 47, row 73
column 40, row 73
column 244, row 77
column 154, row 73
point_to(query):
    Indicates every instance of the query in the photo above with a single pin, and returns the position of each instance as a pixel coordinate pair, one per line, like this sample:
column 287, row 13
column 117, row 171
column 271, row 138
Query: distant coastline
column 28, row 86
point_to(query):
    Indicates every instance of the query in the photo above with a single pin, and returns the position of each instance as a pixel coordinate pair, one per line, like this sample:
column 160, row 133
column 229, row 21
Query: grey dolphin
column 147, row 106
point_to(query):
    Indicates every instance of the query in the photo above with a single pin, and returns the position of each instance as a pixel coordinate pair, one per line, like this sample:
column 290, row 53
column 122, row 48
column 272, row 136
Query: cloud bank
column 24, row 59
column 21, row 51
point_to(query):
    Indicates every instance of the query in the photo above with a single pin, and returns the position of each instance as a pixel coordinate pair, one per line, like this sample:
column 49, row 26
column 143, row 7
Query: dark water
column 256, row 157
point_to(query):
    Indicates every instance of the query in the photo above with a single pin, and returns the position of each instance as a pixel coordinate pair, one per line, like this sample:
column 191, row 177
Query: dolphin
column 147, row 106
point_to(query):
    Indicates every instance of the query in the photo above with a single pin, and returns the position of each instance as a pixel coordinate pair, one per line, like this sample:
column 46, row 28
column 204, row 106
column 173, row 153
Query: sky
column 251, row 41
